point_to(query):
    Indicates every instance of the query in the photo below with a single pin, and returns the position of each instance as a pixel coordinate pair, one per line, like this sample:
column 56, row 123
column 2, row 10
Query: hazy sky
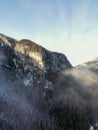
column 66, row 26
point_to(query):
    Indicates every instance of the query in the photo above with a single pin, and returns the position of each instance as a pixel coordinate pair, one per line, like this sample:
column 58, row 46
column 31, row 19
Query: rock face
column 27, row 56
column 30, row 61
column 40, row 57
column 7, row 40
column 27, row 75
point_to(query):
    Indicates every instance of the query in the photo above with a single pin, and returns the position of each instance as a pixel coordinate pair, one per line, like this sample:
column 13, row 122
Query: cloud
column 66, row 26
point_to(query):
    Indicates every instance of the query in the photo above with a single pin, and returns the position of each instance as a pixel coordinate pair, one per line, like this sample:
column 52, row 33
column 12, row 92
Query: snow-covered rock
column 91, row 128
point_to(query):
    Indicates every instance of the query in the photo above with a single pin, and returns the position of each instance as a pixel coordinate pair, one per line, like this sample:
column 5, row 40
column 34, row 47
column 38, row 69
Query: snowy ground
column 91, row 128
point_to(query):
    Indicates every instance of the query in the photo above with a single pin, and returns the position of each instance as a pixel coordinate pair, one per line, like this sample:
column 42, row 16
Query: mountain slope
column 40, row 90
column 27, row 77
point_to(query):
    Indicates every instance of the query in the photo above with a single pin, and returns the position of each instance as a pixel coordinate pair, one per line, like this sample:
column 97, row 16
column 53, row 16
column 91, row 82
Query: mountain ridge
column 27, row 47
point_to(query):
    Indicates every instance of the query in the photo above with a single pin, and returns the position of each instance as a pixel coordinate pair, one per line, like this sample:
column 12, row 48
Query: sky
column 66, row 26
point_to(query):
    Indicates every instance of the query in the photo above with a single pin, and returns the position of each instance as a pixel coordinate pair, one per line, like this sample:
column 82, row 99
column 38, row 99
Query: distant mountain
column 41, row 90
column 93, row 65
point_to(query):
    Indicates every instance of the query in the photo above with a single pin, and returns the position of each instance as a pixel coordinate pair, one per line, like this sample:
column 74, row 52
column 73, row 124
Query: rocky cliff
column 27, row 77
column 40, row 57
column 29, row 61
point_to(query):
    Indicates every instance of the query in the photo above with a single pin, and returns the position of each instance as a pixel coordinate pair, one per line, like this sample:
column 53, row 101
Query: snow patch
column 48, row 85
column 15, row 63
column 26, row 82
column 91, row 128
column 1, row 43
column 39, row 81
